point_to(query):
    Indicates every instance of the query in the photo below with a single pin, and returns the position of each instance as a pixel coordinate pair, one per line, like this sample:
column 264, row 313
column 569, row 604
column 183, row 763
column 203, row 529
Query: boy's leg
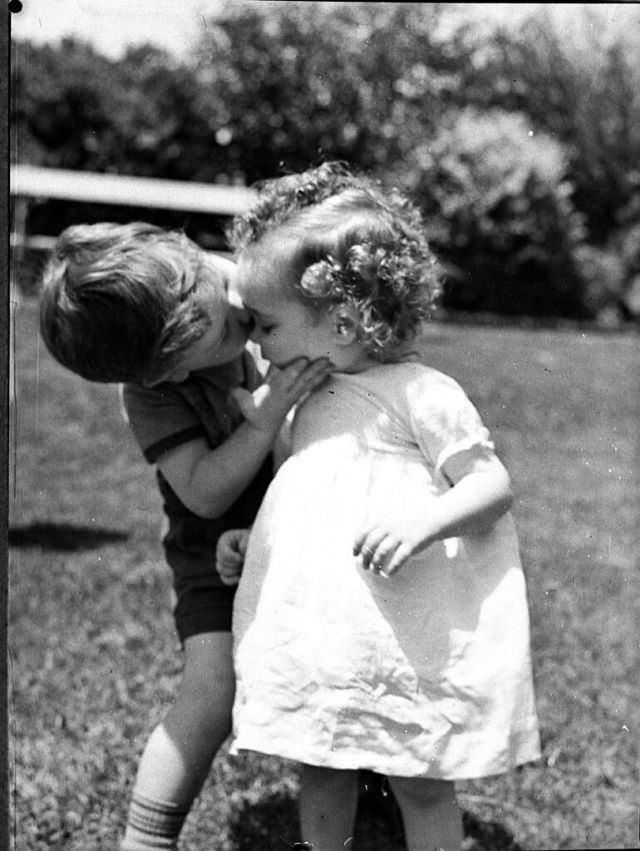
column 328, row 800
column 179, row 752
column 430, row 812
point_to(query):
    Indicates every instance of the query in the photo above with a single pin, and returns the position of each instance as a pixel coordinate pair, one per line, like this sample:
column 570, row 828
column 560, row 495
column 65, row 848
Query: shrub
column 500, row 215
column 612, row 274
column 604, row 275
column 577, row 78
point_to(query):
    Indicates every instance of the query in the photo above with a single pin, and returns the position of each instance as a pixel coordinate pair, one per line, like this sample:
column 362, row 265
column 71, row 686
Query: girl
column 381, row 622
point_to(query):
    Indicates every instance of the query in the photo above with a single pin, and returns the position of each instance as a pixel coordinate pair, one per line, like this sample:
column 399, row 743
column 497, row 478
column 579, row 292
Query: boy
column 138, row 305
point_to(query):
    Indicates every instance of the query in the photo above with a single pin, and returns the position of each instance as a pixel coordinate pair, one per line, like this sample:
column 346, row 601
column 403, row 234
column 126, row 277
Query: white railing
column 28, row 183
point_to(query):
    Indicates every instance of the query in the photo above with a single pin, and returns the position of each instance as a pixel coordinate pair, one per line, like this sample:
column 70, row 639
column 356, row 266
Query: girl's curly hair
column 350, row 243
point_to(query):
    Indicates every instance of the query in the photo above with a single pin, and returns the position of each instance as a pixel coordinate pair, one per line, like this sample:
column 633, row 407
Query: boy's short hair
column 117, row 303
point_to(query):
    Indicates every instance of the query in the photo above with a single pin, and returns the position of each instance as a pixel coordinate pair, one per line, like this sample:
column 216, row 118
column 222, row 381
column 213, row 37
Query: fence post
column 20, row 213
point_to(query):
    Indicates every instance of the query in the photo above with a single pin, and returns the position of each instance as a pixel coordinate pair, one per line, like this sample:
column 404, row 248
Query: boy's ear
column 345, row 324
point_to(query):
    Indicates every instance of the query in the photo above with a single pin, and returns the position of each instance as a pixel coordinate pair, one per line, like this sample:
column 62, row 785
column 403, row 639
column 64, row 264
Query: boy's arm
column 480, row 495
column 208, row 481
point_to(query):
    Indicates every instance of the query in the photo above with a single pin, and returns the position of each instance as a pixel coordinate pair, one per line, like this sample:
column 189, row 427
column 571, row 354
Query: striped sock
column 153, row 825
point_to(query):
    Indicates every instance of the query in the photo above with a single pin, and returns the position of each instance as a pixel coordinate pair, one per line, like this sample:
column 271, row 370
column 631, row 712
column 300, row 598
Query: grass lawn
column 94, row 659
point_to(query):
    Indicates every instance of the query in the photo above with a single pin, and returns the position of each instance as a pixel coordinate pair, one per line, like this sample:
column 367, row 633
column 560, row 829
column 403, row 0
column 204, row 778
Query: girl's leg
column 430, row 812
column 328, row 799
column 179, row 752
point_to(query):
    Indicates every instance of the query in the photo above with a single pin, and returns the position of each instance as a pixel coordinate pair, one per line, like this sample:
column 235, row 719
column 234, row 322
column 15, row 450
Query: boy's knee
column 204, row 697
column 214, row 696
column 208, row 669
column 204, row 709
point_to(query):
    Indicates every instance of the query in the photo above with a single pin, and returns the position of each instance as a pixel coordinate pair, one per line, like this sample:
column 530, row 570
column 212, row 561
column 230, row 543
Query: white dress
column 426, row 673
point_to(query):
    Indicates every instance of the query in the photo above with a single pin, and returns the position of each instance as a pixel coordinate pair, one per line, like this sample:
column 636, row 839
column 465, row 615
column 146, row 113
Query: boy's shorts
column 202, row 602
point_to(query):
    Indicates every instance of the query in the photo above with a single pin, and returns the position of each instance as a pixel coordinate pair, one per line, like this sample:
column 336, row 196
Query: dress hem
column 524, row 752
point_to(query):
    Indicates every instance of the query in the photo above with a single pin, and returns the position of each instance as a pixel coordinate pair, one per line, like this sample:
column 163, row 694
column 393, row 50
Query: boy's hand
column 230, row 553
column 266, row 408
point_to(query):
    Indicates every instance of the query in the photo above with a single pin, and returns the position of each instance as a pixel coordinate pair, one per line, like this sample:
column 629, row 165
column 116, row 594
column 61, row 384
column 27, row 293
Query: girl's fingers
column 397, row 560
column 366, row 546
column 383, row 554
column 359, row 543
column 380, row 552
column 368, row 539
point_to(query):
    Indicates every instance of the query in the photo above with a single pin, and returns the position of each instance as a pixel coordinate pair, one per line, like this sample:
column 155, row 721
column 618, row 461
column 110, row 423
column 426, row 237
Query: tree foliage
column 74, row 108
column 302, row 82
column 522, row 146
column 582, row 87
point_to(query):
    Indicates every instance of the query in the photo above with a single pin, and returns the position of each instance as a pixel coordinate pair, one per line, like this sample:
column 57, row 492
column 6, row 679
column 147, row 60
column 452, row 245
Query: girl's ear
column 345, row 320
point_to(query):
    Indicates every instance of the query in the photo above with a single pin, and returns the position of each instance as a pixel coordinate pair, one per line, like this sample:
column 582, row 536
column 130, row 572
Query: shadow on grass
column 269, row 824
column 488, row 835
column 64, row 537
column 272, row 824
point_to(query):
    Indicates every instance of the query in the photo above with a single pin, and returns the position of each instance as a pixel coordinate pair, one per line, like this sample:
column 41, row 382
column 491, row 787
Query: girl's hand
column 266, row 408
column 472, row 506
column 392, row 533
column 384, row 550
column 230, row 553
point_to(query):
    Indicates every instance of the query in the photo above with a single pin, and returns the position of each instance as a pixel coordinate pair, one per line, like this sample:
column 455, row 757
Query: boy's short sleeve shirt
column 169, row 415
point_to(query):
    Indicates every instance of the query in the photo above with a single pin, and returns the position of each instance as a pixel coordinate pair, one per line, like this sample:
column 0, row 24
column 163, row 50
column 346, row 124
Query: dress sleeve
column 445, row 423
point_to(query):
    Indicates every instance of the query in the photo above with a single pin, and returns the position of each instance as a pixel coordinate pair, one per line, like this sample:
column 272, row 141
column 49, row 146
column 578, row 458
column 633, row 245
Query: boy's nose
column 243, row 318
